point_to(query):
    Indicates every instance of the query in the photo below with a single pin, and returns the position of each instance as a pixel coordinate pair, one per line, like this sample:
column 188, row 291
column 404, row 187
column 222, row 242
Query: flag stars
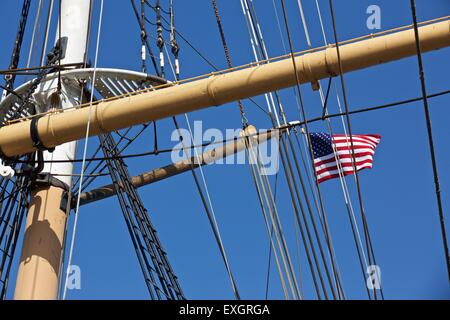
column 321, row 144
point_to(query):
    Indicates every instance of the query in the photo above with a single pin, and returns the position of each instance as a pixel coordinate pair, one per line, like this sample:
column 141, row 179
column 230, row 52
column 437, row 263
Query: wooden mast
column 40, row 262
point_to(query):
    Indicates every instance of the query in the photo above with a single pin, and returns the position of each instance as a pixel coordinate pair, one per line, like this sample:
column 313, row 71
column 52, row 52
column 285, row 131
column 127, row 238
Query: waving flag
column 332, row 153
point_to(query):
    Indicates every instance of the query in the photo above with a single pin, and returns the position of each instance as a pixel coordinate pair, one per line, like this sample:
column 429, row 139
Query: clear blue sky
column 398, row 192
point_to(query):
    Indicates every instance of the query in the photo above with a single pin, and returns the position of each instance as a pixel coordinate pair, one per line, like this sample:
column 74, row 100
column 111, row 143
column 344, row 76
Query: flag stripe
column 344, row 166
column 346, row 171
column 343, row 155
column 347, row 161
column 356, row 140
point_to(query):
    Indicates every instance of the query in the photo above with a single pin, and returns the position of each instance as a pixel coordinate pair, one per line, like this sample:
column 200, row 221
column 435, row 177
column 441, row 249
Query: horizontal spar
column 106, row 116
column 179, row 167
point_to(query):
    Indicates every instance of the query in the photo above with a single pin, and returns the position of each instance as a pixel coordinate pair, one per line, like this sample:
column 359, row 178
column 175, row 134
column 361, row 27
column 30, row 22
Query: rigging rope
column 209, row 208
column 321, row 212
column 84, row 152
column 430, row 138
column 270, row 203
column 274, row 227
column 370, row 252
column 343, row 182
column 160, row 39
column 291, row 180
column 144, row 38
column 47, row 32
column 263, row 184
column 344, row 187
column 227, row 56
column 256, row 32
column 11, row 216
column 35, row 31
column 9, row 83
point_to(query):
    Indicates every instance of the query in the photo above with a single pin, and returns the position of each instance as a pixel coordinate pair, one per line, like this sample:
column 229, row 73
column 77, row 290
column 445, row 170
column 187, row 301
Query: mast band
column 34, row 134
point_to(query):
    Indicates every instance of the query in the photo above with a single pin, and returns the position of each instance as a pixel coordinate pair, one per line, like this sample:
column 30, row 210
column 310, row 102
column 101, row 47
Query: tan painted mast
column 39, row 268
column 40, row 262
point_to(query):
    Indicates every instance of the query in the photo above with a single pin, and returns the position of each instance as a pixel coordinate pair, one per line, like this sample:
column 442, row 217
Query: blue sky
column 398, row 192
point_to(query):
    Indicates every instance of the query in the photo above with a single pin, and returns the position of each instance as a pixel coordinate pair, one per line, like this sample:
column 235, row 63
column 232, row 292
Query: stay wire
column 47, row 32
column 300, row 96
column 84, row 154
column 324, row 101
column 312, row 190
column 228, row 58
column 370, row 251
column 288, row 169
column 347, row 197
column 160, row 38
column 322, row 214
column 270, row 247
column 263, row 185
column 60, row 46
column 210, row 213
column 430, row 138
column 34, row 35
column 144, row 37
column 245, row 124
column 208, row 206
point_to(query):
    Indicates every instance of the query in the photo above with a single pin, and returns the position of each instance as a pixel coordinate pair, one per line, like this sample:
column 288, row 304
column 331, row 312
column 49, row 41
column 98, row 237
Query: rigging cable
column 227, row 56
column 274, row 215
column 264, row 56
column 9, row 83
column 324, row 222
column 369, row 246
column 160, row 39
column 69, row 194
column 84, row 153
column 288, row 169
column 346, row 193
column 144, row 37
column 209, row 209
column 291, row 181
column 262, row 178
column 173, row 42
column 270, row 227
column 302, row 183
column 7, row 250
column 430, row 138
column 269, row 262
column 343, row 183
column 47, row 32
column 33, row 35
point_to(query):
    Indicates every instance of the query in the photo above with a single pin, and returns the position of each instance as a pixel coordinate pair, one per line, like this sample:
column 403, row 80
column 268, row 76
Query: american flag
column 325, row 157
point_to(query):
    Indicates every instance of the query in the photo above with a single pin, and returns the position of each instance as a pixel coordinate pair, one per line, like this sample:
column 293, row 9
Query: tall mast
column 40, row 262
